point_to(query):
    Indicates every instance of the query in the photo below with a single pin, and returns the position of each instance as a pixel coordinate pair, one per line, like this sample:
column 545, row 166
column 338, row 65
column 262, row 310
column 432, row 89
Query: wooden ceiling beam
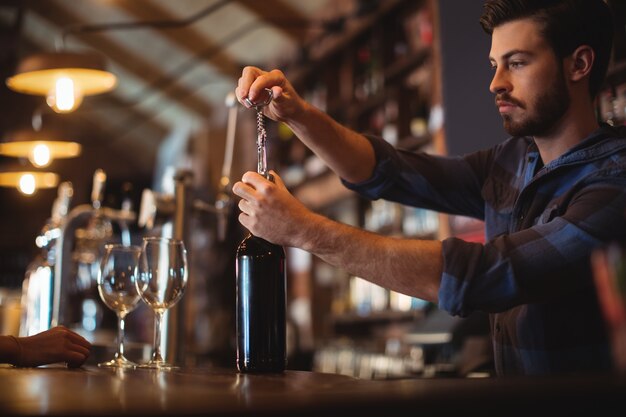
column 187, row 38
column 280, row 15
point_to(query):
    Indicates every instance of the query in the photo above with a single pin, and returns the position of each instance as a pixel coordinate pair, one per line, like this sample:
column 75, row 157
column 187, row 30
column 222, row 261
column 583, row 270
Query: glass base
column 118, row 362
column 159, row 365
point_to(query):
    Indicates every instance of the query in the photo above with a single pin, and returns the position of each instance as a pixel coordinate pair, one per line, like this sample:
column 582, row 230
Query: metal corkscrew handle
column 261, row 133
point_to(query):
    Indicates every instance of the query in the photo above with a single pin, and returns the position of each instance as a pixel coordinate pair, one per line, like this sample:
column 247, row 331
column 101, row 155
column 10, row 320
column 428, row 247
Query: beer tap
column 38, row 284
column 91, row 224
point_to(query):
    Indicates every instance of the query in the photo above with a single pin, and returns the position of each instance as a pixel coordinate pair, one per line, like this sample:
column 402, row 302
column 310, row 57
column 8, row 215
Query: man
column 549, row 195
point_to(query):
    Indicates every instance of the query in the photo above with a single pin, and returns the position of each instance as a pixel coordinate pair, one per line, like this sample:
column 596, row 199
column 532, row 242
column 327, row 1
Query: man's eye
column 516, row 64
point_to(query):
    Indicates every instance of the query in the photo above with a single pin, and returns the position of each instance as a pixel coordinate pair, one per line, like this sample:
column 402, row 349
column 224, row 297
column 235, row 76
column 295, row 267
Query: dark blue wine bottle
column 261, row 293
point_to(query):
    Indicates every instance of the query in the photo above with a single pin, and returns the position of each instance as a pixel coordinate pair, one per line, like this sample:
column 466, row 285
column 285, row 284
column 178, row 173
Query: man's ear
column 582, row 60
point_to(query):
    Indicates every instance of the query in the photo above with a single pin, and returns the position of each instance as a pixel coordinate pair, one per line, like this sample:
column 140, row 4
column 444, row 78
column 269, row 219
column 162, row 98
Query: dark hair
column 567, row 24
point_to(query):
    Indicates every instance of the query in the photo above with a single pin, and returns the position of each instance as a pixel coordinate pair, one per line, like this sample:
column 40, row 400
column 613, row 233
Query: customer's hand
column 58, row 344
column 270, row 211
column 286, row 103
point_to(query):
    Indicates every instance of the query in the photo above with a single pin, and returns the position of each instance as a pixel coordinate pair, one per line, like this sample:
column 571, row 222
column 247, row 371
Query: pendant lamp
column 27, row 182
column 40, row 147
column 64, row 78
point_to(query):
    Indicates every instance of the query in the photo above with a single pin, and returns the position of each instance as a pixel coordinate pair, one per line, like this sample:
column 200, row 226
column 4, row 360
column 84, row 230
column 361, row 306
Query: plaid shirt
column 533, row 274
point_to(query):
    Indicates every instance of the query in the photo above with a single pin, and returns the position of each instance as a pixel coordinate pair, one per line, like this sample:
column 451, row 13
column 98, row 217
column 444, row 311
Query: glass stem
column 120, row 336
column 156, row 356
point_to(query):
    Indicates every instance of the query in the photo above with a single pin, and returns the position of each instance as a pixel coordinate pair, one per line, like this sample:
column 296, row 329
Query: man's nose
column 500, row 82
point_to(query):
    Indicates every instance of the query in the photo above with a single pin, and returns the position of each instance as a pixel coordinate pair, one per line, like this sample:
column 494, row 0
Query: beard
column 546, row 110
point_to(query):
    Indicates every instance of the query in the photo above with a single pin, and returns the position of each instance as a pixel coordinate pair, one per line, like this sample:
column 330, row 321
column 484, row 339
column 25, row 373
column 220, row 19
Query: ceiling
column 176, row 60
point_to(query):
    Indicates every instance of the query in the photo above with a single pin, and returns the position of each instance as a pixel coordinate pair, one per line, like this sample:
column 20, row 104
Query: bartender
column 549, row 195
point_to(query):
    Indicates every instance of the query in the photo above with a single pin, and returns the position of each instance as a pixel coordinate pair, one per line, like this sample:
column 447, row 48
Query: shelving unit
column 375, row 79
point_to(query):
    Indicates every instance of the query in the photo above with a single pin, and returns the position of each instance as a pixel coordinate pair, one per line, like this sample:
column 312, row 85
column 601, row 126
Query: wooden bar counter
column 90, row 391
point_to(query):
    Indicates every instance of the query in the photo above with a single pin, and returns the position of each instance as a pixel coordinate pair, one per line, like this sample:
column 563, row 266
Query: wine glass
column 161, row 283
column 117, row 288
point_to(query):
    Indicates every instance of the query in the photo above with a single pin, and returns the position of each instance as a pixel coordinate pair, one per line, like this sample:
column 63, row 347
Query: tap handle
column 61, row 204
column 231, row 127
column 97, row 190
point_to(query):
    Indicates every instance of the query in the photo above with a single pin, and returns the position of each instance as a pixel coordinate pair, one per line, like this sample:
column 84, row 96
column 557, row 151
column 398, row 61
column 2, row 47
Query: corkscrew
column 261, row 133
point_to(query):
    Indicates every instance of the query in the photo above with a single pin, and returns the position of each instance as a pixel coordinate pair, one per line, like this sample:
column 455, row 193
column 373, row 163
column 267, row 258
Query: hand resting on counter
column 58, row 344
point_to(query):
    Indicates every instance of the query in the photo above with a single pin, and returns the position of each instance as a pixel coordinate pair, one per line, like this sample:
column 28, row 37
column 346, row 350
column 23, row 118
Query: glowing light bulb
column 40, row 155
column 65, row 96
column 27, row 184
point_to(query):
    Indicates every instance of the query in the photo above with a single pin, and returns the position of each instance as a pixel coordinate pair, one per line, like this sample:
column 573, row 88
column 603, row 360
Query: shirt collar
column 601, row 142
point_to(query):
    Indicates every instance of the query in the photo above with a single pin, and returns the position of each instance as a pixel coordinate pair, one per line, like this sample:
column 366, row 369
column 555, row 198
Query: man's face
column 530, row 88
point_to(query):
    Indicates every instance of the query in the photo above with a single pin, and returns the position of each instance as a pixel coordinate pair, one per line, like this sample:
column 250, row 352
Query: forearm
column 349, row 154
column 268, row 210
column 9, row 350
column 412, row 267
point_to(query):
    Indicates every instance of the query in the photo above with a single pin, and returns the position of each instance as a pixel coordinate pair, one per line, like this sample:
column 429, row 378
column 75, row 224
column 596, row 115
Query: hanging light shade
column 40, row 147
column 27, row 182
column 64, row 78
